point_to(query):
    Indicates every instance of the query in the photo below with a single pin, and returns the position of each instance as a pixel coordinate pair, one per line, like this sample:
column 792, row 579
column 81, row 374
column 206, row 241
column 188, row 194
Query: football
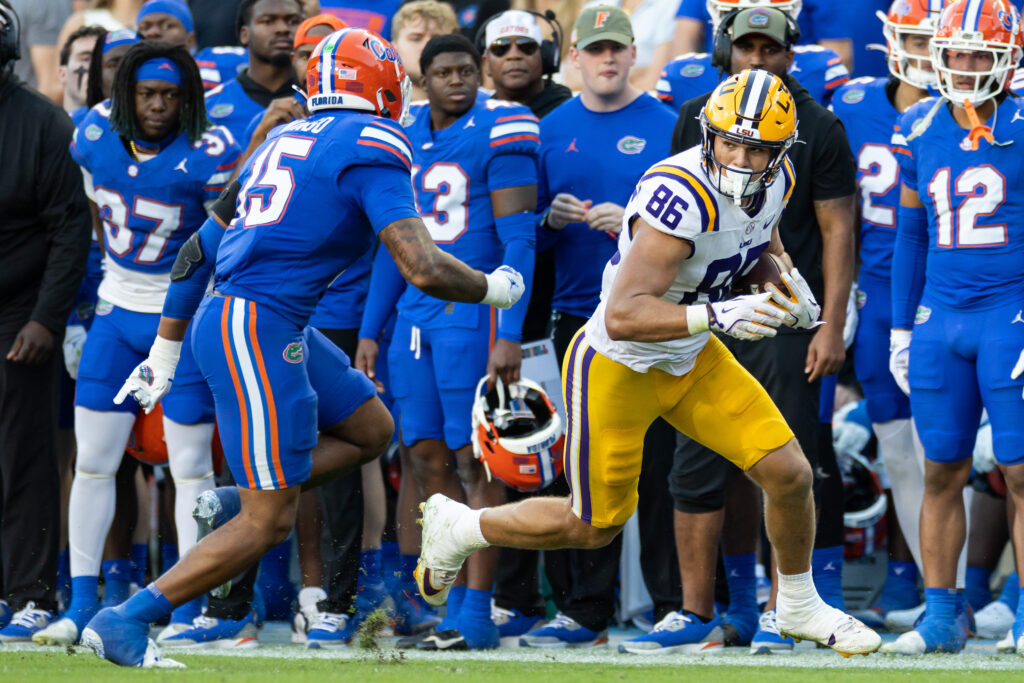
column 768, row 269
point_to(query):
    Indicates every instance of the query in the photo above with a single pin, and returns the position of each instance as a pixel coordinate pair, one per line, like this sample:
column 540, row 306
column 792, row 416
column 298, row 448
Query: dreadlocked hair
column 192, row 115
column 94, row 81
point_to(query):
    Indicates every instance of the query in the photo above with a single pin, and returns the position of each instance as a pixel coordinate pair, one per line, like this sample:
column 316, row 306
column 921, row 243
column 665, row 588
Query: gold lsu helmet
column 752, row 108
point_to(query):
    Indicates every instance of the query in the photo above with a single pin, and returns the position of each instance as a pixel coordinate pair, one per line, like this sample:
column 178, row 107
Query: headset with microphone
column 10, row 32
column 721, row 52
column 550, row 50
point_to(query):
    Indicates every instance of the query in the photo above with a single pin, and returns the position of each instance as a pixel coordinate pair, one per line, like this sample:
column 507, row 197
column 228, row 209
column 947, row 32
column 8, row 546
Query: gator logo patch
column 692, row 70
column 222, row 110
column 860, row 298
column 922, row 316
column 293, row 353
column 631, row 145
column 853, row 96
column 93, row 132
column 103, row 307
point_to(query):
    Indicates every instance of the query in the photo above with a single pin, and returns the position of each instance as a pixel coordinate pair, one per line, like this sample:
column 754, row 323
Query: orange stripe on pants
column 225, row 334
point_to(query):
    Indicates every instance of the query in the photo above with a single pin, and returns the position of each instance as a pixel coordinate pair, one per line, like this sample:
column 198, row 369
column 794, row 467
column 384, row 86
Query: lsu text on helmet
column 987, row 27
column 517, row 434
column 751, row 108
column 356, row 69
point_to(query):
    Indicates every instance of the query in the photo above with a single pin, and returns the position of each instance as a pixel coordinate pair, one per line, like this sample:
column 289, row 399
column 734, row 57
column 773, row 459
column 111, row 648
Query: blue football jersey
column 150, row 208
column 219, row 65
column 576, row 143
column 341, row 306
column 372, row 14
column 454, row 172
column 230, row 106
column 314, row 196
column 975, row 211
column 863, row 106
column 818, row 69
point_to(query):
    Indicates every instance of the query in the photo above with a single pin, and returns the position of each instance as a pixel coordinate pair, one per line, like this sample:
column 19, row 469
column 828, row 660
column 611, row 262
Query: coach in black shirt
column 44, row 243
column 818, row 232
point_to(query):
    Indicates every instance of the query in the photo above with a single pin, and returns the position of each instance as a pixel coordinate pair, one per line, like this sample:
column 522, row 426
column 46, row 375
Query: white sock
column 101, row 437
column 311, row 595
column 904, row 463
column 797, row 589
column 468, row 533
column 191, row 465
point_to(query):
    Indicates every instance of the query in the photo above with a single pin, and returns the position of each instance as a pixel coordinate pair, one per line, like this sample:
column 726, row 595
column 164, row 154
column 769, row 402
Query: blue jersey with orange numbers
column 219, row 65
column 864, row 107
column 454, row 174
column 818, row 69
column 307, row 209
column 622, row 144
column 230, row 106
column 975, row 209
column 150, row 208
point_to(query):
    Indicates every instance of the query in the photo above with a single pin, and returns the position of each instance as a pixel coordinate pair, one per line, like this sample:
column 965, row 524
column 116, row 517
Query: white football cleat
column 1007, row 646
column 61, row 632
column 909, row 643
column 171, row 630
column 992, row 620
column 441, row 555
column 903, row 620
column 828, row 626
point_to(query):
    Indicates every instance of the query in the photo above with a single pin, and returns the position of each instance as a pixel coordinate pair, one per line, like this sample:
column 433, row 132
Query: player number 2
column 984, row 190
column 879, row 174
column 666, row 207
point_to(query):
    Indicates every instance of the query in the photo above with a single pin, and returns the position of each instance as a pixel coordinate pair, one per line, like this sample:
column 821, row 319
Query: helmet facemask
column 988, row 83
column 740, row 183
column 902, row 64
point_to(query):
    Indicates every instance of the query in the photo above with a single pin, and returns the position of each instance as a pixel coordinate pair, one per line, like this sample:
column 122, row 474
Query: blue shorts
column 960, row 362
column 118, row 341
column 266, row 375
column 885, row 400
column 434, row 374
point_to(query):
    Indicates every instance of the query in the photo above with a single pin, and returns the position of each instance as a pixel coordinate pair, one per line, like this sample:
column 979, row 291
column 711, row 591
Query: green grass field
column 53, row 666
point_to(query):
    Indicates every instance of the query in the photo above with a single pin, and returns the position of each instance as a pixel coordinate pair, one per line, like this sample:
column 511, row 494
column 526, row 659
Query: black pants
column 341, row 502
column 583, row 581
column 29, row 481
column 699, row 474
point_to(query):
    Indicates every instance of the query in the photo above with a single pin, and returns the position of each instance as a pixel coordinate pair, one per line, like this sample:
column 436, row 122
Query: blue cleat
column 5, row 613
column 330, row 631
column 212, row 510
column 564, row 631
column 678, row 632
column 25, row 623
column 114, row 636
column 768, row 640
column 931, row 635
column 217, row 634
column 512, row 622
column 412, row 614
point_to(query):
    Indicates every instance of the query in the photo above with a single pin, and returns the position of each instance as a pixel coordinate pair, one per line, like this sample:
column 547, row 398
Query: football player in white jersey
column 695, row 222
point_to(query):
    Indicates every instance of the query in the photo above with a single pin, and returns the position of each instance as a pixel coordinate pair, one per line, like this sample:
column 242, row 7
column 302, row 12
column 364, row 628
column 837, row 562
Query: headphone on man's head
column 721, row 52
column 10, row 34
column 550, row 50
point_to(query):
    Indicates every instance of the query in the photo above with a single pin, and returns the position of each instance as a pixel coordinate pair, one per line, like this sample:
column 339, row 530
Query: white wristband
column 697, row 320
column 165, row 351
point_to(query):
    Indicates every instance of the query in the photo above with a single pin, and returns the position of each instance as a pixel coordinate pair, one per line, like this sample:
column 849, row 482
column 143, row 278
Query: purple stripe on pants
column 585, row 438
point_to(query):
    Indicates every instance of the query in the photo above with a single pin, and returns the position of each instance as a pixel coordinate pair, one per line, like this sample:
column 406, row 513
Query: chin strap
column 978, row 130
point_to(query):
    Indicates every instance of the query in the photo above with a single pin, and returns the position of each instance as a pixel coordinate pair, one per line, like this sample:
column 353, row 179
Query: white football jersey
column 676, row 197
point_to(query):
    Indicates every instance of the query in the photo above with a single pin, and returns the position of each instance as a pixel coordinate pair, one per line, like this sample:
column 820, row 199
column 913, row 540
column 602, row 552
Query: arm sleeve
column 386, row 286
column 545, row 238
column 192, row 270
column 835, row 170
column 517, row 234
column 64, row 214
column 383, row 192
column 910, row 255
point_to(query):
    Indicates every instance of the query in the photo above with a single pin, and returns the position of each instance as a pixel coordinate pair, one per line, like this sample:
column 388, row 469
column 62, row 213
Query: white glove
column 804, row 310
column 74, row 342
column 749, row 317
column 504, row 287
column 899, row 358
column 1018, row 369
column 151, row 379
column 984, row 456
column 848, row 436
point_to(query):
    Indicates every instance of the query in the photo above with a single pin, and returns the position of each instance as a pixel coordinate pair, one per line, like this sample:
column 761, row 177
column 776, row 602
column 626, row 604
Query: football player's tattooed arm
column 635, row 309
column 836, row 219
column 429, row 269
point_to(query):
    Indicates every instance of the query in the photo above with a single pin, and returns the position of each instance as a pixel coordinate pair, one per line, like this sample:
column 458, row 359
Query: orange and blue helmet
column 354, row 68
